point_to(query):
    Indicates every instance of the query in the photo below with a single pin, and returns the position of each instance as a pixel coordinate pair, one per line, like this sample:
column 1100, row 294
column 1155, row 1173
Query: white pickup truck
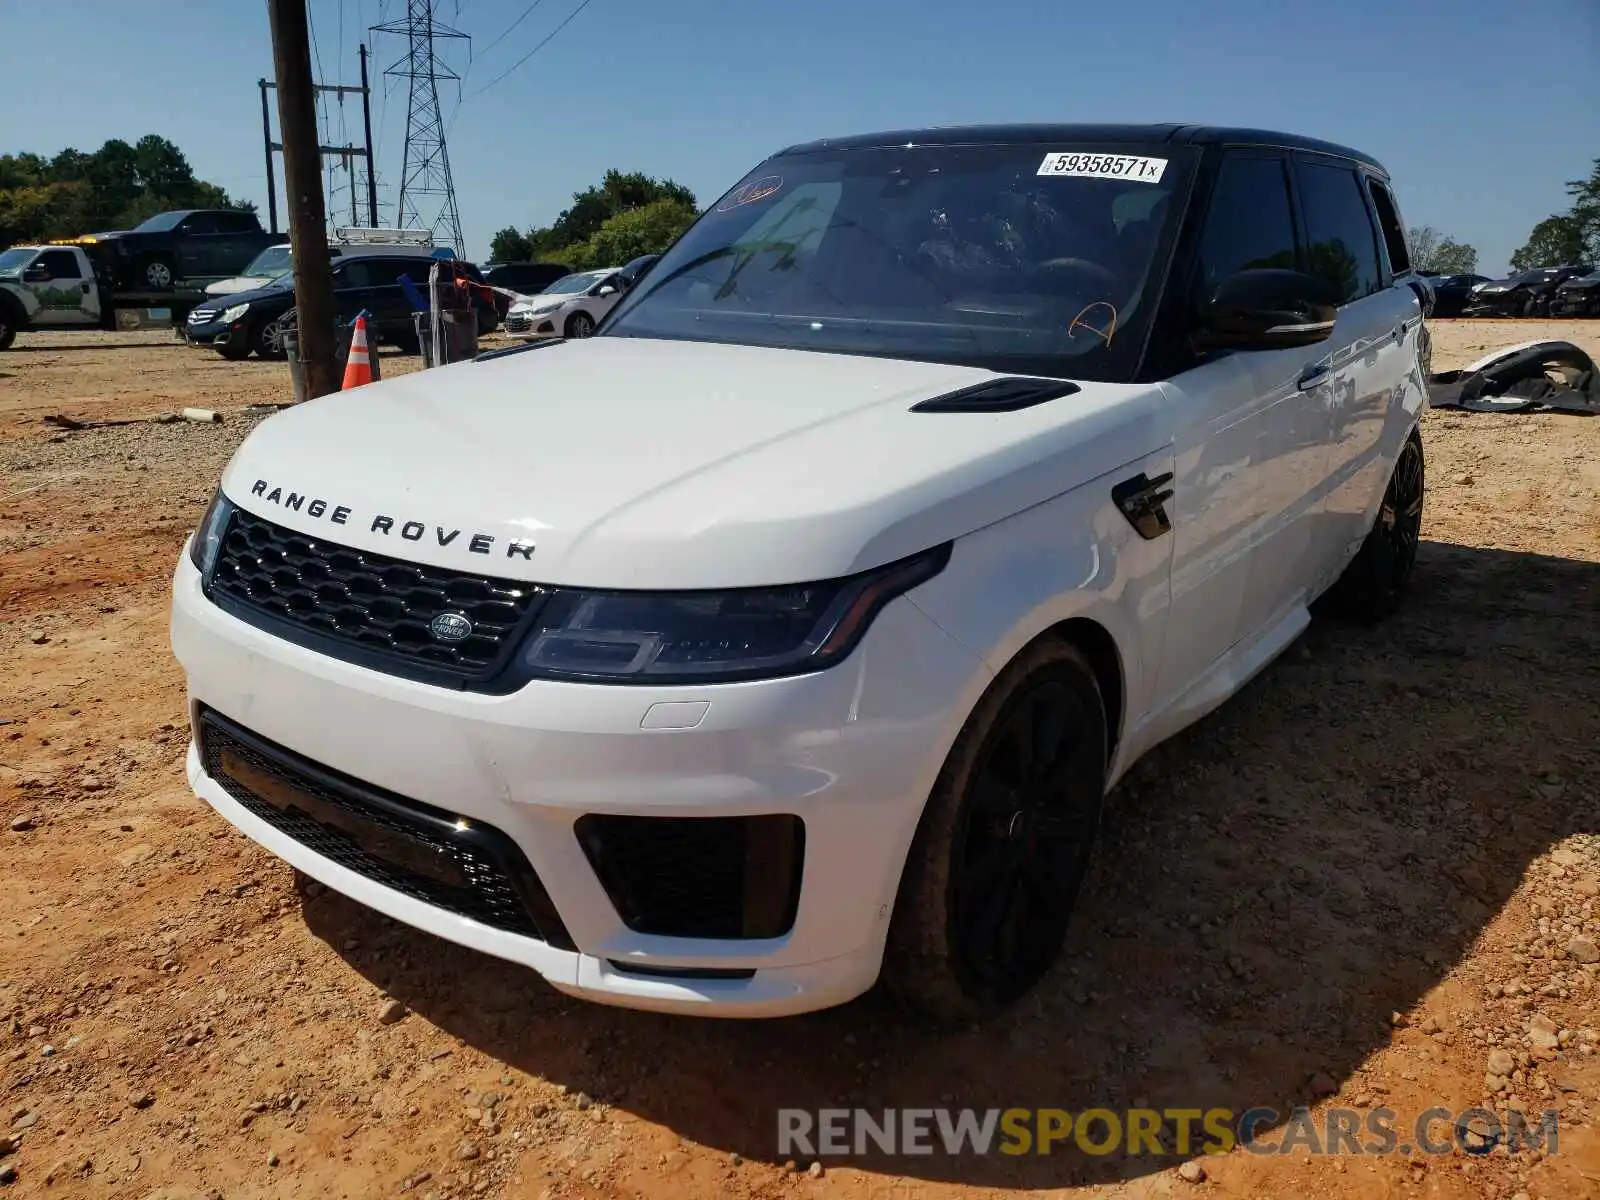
column 60, row 287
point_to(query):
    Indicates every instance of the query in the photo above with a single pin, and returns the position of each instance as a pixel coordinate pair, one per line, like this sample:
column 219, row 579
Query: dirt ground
column 1367, row 881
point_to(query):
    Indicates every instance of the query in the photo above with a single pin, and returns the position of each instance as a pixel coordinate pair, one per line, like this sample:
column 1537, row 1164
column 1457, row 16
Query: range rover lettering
column 788, row 633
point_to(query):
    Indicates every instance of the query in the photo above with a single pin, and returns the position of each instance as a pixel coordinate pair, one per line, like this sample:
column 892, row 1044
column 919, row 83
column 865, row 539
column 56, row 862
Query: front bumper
column 852, row 751
column 524, row 325
column 215, row 334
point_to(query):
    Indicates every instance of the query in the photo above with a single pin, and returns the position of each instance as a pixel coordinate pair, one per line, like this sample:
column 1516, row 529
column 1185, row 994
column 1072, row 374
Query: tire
column 1372, row 585
column 156, row 274
column 579, row 325
column 266, row 339
column 979, row 827
column 234, row 351
column 8, row 327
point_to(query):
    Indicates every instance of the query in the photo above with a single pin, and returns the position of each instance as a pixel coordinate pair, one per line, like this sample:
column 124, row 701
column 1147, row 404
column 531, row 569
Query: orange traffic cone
column 358, row 367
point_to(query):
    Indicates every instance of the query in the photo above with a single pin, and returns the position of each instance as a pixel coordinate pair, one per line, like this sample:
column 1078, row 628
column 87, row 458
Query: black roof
column 1170, row 134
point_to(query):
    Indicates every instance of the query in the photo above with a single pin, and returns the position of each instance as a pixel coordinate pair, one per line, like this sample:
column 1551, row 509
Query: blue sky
column 1480, row 110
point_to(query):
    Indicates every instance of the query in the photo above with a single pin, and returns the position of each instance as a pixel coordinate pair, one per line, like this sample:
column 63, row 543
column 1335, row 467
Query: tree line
column 114, row 187
column 622, row 217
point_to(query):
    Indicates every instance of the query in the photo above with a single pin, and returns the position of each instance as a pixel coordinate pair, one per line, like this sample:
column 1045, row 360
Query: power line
column 525, row 14
column 546, row 41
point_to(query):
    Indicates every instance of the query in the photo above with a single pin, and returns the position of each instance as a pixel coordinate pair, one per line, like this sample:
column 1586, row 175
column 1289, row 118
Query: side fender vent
column 998, row 395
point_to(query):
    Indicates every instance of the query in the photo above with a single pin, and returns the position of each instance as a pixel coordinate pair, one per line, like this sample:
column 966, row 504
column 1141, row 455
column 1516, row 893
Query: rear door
column 1373, row 346
column 194, row 246
column 390, row 308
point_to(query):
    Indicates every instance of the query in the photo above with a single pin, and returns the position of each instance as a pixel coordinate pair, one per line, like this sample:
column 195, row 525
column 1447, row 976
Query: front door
column 1246, row 438
column 61, row 293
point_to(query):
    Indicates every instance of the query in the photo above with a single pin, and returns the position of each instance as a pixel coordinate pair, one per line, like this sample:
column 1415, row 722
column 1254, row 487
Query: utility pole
column 366, row 121
column 266, row 137
column 302, row 182
column 346, row 154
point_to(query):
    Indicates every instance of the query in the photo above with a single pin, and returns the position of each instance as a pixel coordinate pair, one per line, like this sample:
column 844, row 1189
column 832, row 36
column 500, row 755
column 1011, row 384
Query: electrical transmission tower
column 427, row 192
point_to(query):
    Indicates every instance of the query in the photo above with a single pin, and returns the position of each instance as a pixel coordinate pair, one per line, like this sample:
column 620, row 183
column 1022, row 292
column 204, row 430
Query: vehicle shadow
column 1270, row 887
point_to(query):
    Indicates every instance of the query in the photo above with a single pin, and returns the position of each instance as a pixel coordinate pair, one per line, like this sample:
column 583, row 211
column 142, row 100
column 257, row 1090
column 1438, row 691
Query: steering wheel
column 1081, row 267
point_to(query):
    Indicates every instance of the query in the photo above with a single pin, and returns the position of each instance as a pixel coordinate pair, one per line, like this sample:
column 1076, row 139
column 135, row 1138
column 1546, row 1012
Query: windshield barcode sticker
column 1104, row 166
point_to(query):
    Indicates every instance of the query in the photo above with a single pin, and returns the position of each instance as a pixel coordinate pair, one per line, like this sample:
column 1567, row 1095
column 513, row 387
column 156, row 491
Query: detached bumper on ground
column 729, row 850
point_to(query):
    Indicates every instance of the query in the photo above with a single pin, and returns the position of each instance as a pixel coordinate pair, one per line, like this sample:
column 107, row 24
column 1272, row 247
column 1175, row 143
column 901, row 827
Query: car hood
column 239, row 283
column 1582, row 283
column 276, row 289
column 633, row 463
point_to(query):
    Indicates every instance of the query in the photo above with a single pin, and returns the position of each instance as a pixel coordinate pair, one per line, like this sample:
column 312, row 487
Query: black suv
column 245, row 321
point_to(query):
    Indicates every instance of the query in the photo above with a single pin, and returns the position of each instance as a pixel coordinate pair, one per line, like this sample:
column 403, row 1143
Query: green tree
column 1555, row 241
column 568, row 238
column 510, row 246
column 1585, row 195
column 1435, row 251
column 646, row 230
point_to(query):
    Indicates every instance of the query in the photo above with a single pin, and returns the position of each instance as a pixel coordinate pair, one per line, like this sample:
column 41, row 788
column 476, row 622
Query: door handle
column 1313, row 375
column 1400, row 332
column 85, row 289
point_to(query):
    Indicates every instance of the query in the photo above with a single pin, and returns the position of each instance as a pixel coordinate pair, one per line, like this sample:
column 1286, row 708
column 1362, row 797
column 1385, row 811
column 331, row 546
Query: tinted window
column 1249, row 223
column 1394, row 236
column 1341, row 244
column 160, row 223
column 62, row 264
column 385, row 272
column 351, row 275
column 199, row 223
column 240, row 222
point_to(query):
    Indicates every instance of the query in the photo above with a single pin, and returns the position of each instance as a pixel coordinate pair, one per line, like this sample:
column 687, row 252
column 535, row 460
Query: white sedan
column 789, row 633
column 570, row 307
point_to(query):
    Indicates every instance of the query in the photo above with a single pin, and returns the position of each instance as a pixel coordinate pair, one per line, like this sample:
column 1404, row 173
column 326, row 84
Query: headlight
column 234, row 313
column 546, row 309
column 208, row 537
column 714, row 636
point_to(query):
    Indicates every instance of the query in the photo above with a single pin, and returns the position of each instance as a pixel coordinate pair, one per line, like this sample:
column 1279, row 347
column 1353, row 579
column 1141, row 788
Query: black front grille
column 699, row 877
column 368, row 607
column 450, row 862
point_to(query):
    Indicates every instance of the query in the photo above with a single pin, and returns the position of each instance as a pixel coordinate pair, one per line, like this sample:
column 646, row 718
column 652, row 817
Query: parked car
column 238, row 324
column 1577, row 297
column 1525, row 294
column 570, row 307
column 276, row 261
column 789, row 633
column 185, row 244
column 524, row 278
column 1450, row 292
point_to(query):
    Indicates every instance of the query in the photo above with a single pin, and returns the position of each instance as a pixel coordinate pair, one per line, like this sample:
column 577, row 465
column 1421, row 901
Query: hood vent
column 998, row 395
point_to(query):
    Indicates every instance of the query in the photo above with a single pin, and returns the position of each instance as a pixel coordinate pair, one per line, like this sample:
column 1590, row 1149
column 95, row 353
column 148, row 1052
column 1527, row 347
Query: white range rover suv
column 790, row 631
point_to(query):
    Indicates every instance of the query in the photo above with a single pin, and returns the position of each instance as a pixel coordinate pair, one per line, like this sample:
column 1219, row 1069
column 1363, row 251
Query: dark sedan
column 236, row 325
column 1450, row 292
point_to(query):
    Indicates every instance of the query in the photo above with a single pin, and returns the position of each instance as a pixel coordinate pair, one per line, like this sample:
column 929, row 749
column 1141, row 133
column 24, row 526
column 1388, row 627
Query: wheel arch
column 1097, row 645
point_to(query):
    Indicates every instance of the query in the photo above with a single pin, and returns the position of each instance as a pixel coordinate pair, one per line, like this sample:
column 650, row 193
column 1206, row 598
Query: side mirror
column 608, row 290
column 37, row 273
column 1269, row 309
